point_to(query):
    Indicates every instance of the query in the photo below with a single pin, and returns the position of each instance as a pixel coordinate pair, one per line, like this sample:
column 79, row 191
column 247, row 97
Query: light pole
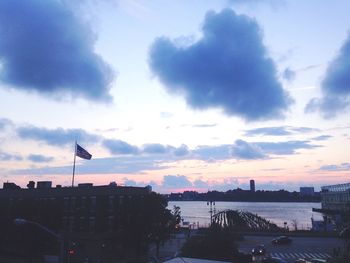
column 212, row 204
column 60, row 239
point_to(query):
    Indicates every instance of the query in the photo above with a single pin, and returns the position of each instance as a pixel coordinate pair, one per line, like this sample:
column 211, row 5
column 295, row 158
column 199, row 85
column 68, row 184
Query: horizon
column 196, row 95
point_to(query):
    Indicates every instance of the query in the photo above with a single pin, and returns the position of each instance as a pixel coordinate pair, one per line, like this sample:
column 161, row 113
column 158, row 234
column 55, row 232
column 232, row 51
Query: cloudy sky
column 182, row 95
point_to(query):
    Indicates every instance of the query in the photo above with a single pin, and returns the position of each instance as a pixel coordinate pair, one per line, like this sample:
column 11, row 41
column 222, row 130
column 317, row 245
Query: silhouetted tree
column 216, row 244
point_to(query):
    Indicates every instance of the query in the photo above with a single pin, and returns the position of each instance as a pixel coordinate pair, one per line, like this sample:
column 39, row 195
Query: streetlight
column 60, row 239
column 211, row 203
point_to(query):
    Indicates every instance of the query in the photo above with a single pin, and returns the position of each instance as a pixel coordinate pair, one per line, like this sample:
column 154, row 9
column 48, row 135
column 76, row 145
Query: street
column 301, row 247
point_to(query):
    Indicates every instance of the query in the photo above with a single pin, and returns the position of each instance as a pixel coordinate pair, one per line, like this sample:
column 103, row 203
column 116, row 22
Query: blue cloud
column 111, row 165
column 46, row 48
column 160, row 151
column 273, row 3
column 155, row 148
column 335, row 86
column 334, row 167
column 279, row 131
column 322, row 138
column 176, row 181
column 211, row 153
column 270, row 131
column 38, row 158
column 4, row 123
column 248, row 151
column 56, row 137
column 289, row 74
column 303, row 129
column 285, row 148
column 228, row 68
column 181, row 151
column 128, row 182
column 167, row 151
column 204, row 125
column 10, row 157
column 120, row 147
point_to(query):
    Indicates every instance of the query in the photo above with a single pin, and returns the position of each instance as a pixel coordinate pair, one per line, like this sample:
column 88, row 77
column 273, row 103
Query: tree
column 216, row 243
column 149, row 222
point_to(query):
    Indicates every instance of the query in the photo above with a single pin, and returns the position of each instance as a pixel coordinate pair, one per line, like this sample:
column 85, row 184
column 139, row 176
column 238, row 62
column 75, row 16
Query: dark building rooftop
column 44, row 188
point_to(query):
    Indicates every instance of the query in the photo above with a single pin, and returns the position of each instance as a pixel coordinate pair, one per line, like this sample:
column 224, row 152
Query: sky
column 180, row 95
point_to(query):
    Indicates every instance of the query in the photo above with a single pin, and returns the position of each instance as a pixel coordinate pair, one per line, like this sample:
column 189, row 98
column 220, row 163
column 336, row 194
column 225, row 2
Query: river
column 277, row 212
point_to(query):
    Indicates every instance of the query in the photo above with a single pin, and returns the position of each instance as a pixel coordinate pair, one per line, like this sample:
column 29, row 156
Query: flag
column 82, row 153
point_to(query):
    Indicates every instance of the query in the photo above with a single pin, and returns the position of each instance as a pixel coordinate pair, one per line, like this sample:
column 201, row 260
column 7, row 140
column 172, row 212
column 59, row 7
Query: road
column 301, row 247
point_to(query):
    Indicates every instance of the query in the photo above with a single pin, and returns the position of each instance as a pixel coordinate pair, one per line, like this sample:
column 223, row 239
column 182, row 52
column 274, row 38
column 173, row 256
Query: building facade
column 336, row 198
column 101, row 222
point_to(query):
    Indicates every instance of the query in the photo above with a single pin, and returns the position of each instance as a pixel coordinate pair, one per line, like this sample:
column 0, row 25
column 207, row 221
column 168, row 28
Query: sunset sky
column 181, row 95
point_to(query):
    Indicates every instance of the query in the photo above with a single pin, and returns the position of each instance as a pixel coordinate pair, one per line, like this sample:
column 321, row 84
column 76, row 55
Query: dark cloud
column 120, row 147
column 228, row 68
column 322, row 138
column 56, row 137
column 334, row 167
column 46, row 48
column 37, row 158
column 10, row 157
column 335, row 86
column 289, row 74
column 248, row 151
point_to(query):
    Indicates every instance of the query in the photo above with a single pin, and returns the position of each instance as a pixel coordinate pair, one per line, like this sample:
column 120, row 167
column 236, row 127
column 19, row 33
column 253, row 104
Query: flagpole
column 75, row 155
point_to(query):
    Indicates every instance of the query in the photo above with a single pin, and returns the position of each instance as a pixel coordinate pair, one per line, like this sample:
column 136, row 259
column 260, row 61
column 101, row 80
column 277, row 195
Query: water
column 277, row 212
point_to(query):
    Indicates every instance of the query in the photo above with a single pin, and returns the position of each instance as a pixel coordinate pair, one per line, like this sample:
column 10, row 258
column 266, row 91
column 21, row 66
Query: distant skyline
column 181, row 95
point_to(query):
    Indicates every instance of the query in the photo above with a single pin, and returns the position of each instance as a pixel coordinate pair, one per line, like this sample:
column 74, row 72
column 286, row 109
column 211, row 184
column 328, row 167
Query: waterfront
column 276, row 212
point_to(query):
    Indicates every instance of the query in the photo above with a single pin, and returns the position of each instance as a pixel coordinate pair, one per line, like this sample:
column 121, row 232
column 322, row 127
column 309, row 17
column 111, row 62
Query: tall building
column 252, row 185
column 307, row 191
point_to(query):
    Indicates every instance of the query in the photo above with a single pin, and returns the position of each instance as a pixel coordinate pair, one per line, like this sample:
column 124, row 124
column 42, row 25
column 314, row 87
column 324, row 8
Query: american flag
column 82, row 153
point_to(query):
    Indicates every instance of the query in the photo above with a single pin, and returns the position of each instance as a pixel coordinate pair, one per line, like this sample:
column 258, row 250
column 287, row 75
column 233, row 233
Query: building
column 107, row 221
column 252, row 185
column 307, row 191
column 336, row 198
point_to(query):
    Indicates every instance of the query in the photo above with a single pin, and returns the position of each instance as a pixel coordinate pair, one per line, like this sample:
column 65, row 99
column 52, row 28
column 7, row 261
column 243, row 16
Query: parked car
column 282, row 240
column 259, row 250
